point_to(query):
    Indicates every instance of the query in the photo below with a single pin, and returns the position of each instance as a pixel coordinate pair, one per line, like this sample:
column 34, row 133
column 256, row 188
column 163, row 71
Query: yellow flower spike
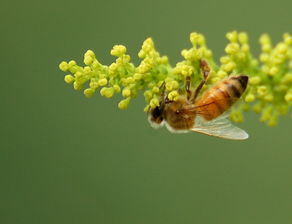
column 126, row 92
column 232, row 36
column 118, row 50
column 249, row 98
column 64, row 66
column 69, row 79
column 123, row 104
column 102, row 82
column 89, row 92
column 262, row 90
column 243, row 38
column 270, row 75
column 232, row 48
column 107, row 92
column 154, row 102
column 173, row 95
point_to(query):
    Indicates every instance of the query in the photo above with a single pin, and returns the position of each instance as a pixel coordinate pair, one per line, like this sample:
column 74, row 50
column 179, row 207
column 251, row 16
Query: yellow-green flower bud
column 228, row 67
column 126, row 92
column 102, row 82
column 72, row 63
column 245, row 48
column 169, row 86
column 254, row 80
column 117, row 88
column 89, row 92
column 288, row 97
column 88, row 60
column 90, row 53
column 155, row 89
column 232, row 36
column 93, row 84
column 123, row 104
column 249, row 98
column 287, row 79
column 264, row 57
column 130, row 80
column 222, row 74
column 232, row 48
column 107, row 92
column 269, row 97
column 154, row 102
column 262, row 90
column 225, row 59
column 64, row 66
column 173, row 95
column 77, row 85
column 273, row 121
column 148, row 95
column 273, row 71
column 137, row 76
column 118, row 50
column 242, row 37
column 69, row 79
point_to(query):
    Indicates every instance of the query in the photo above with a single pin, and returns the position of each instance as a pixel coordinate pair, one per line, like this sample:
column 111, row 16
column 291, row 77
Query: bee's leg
column 205, row 69
column 188, row 84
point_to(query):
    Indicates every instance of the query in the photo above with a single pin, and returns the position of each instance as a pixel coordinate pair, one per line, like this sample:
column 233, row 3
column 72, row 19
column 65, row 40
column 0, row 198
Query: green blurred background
column 68, row 159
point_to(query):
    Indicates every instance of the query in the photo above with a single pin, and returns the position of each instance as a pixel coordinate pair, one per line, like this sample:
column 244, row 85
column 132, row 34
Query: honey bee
column 207, row 114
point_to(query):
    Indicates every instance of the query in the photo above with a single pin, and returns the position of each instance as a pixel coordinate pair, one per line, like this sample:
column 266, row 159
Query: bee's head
column 155, row 117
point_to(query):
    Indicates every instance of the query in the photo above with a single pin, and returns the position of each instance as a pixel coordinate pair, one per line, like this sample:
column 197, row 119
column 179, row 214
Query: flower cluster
column 269, row 91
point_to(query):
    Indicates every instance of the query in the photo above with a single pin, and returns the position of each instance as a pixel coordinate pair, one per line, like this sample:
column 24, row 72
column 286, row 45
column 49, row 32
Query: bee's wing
column 220, row 127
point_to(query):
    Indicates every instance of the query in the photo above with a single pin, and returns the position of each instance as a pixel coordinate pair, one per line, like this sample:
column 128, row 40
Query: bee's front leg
column 206, row 70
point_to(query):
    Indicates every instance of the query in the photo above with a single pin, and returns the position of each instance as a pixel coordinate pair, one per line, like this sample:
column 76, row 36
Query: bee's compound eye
column 177, row 111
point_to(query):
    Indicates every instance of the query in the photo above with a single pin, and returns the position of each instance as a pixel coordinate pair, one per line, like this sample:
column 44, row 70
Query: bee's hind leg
column 206, row 70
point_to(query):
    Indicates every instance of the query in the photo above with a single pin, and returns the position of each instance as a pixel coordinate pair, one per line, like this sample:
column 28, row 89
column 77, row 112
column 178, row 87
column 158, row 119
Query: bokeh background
column 68, row 159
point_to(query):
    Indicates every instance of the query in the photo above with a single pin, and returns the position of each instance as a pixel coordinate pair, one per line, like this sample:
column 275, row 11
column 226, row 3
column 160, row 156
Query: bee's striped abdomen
column 221, row 97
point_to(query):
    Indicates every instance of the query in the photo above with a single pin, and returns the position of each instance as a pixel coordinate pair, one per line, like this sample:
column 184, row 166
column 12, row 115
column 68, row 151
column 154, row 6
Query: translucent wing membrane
column 220, row 127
